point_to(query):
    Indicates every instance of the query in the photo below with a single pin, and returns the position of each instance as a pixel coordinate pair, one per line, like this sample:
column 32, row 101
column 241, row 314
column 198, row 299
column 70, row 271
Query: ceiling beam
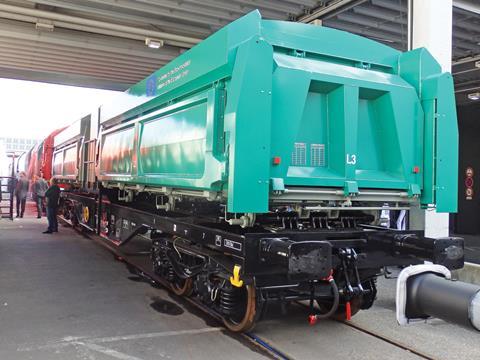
column 80, row 40
column 371, row 33
column 62, row 79
column 466, row 60
column 101, row 13
column 204, row 8
column 281, row 7
column 173, row 13
column 331, row 9
column 460, row 4
column 53, row 69
column 49, row 15
column 76, row 63
column 35, row 48
column 467, row 6
column 17, row 62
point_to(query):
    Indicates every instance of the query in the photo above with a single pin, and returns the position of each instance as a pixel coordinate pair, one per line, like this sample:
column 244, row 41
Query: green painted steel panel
column 441, row 143
column 70, row 161
column 174, row 144
column 117, row 150
column 247, row 124
column 338, row 110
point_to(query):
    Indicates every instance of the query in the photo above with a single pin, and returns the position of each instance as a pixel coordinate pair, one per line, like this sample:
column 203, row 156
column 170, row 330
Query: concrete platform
column 62, row 296
column 328, row 339
column 435, row 338
column 470, row 273
column 472, row 247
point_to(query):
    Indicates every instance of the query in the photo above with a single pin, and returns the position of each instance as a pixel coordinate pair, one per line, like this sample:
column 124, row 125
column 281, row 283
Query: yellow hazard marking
column 235, row 279
column 86, row 214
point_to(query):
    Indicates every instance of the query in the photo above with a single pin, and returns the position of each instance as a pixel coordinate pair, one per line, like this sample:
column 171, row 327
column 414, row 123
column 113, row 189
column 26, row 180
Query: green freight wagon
column 259, row 163
column 263, row 108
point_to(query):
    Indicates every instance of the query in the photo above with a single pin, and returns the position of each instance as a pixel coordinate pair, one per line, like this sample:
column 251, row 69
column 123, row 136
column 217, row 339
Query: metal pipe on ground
column 452, row 301
column 427, row 291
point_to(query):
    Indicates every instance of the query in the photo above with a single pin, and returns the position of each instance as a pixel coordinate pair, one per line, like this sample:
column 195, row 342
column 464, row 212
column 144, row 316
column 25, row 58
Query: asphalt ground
column 62, row 296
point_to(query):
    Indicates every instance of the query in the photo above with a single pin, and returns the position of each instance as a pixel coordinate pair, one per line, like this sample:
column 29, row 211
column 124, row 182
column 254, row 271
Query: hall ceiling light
column 474, row 96
column 153, row 43
column 44, row 26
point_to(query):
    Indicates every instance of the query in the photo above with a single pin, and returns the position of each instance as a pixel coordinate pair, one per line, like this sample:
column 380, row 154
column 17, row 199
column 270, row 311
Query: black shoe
column 47, row 232
column 17, row 216
column 39, row 217
column 55, row 231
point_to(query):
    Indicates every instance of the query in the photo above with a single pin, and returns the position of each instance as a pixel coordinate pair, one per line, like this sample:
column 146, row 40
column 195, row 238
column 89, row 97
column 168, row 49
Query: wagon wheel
column 73, row 217
column 340, row 314
column 246, row 318
column 182, row 287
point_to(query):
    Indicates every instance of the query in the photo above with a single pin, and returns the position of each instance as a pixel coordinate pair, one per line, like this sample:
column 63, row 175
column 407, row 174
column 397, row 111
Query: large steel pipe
column 452, row 301
column 430, row 293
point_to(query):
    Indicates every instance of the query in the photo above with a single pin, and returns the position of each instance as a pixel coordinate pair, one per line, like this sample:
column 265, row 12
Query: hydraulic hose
column 181, row 270
column 336, row 301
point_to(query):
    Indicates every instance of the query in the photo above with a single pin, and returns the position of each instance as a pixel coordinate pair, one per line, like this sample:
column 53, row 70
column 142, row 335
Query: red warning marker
column 348, row 311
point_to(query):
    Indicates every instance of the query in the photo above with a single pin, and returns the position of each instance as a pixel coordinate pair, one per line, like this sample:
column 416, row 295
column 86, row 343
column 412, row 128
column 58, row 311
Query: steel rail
column 380, row 337
column 153, row 279
column 262, row 344
column 388, row 340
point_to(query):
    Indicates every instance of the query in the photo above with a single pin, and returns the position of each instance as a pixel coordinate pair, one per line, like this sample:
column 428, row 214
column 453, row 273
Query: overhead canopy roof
column 386, row 21
column 101, row 43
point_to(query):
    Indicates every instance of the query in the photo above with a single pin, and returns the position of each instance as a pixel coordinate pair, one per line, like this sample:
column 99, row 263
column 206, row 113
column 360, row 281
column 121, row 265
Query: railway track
column 133, row 260
column 136, row 262
column 388, row 340
column 381, row 337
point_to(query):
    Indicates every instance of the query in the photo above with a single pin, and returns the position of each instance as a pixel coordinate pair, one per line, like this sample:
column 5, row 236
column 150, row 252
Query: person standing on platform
column 40, row 186
column 21, row 191
column 53, row 196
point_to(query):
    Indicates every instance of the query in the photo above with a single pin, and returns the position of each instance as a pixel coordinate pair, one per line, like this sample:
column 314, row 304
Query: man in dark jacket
column 53, row 196
column 40, row 186
column 21, row 191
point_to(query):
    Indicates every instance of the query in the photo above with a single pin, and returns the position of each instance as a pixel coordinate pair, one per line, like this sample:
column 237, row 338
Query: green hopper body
column 264, row 106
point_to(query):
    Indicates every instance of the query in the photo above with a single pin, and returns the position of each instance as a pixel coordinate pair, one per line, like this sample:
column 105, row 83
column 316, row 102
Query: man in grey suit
column 21, row 191
column 39, row 187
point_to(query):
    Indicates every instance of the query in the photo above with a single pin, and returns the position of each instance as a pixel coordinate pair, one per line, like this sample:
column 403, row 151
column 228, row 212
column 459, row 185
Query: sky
column 33, row 110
